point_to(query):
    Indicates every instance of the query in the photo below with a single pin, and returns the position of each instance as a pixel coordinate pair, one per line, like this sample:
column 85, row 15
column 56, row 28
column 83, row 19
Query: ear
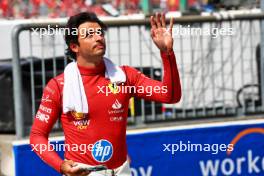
column 74, row 47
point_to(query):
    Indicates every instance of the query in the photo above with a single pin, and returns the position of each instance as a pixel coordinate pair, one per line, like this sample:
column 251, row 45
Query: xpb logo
column 102, row 151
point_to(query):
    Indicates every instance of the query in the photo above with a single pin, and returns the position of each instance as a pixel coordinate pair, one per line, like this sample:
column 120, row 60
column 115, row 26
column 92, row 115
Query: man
column 104, row 126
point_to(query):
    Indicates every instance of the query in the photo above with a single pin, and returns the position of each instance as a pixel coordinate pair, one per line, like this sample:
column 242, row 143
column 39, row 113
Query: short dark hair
column 73, row 23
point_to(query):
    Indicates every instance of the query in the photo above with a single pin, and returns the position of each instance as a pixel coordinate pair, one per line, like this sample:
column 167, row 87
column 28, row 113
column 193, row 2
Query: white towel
column 74, row 97
column 113, row 72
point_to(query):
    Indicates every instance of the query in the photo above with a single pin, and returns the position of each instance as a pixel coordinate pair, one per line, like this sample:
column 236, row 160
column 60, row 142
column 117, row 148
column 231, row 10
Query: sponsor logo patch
column 116, row 119
column 117, row 105
column 102, row 151
column 45, row 109
column 81, row 120
column 42, row 117
column 46, row 98
column 117, row 108
column 113, row 88
column 78, row 116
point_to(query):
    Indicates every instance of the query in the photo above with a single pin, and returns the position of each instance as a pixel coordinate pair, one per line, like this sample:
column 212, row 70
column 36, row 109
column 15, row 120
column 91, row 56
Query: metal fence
column 218, row 58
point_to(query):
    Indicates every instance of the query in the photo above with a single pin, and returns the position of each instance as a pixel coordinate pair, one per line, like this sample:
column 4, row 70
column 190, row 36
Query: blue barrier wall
column 177, row 152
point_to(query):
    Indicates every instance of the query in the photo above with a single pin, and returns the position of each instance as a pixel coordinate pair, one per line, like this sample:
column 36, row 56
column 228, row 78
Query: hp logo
column 102, row 150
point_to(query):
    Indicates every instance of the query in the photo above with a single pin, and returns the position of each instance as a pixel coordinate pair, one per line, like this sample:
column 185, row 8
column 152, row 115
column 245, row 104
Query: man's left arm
column 169, row 90
column 166, row 91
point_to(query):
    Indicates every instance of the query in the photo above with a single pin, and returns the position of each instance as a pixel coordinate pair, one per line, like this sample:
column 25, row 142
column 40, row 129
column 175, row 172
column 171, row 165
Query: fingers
column 78, row 172
column 163, row 20
column 81, row 173
column 153, row 23
column 158, row 21
column 152, row 33
column 69, row 168
column 171, row 25
column 72, row 163
column 85, row 173
column 74, row 170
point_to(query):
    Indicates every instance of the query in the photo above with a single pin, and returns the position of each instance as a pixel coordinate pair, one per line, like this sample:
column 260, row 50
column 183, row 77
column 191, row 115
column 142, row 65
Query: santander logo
column 117, row 108
column 117, row 105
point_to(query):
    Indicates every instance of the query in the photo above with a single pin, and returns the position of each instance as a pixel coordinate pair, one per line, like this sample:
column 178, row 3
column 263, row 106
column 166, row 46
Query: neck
column 90, row 61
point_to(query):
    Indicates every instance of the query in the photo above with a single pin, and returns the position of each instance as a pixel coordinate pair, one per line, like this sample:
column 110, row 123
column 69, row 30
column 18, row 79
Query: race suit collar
column 92, row 70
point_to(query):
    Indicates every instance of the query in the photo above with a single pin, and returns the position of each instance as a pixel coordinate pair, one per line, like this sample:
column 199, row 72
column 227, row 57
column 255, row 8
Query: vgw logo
column 102, row 151
column 252, row 163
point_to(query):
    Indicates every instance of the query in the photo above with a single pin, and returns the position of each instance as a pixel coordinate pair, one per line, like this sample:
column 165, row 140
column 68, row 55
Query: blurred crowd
column 59, row 8
column 63, row 8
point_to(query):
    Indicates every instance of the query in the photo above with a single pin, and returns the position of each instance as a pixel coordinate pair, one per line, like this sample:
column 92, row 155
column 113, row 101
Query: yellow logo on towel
column 113, row 88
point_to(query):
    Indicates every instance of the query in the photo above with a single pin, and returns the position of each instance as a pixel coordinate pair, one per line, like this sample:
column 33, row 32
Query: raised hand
column 161, row 35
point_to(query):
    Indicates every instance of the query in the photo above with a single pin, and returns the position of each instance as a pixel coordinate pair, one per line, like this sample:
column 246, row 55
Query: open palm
column 161, row 36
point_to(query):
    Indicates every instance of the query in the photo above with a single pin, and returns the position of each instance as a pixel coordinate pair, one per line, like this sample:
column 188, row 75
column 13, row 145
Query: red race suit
column 103, row 129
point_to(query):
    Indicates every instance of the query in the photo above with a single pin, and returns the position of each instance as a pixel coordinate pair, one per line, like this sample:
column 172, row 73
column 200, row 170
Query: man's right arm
column 48, row 113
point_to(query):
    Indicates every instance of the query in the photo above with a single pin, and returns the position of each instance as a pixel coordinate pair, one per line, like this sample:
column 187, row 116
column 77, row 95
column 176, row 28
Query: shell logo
column 78, row 115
